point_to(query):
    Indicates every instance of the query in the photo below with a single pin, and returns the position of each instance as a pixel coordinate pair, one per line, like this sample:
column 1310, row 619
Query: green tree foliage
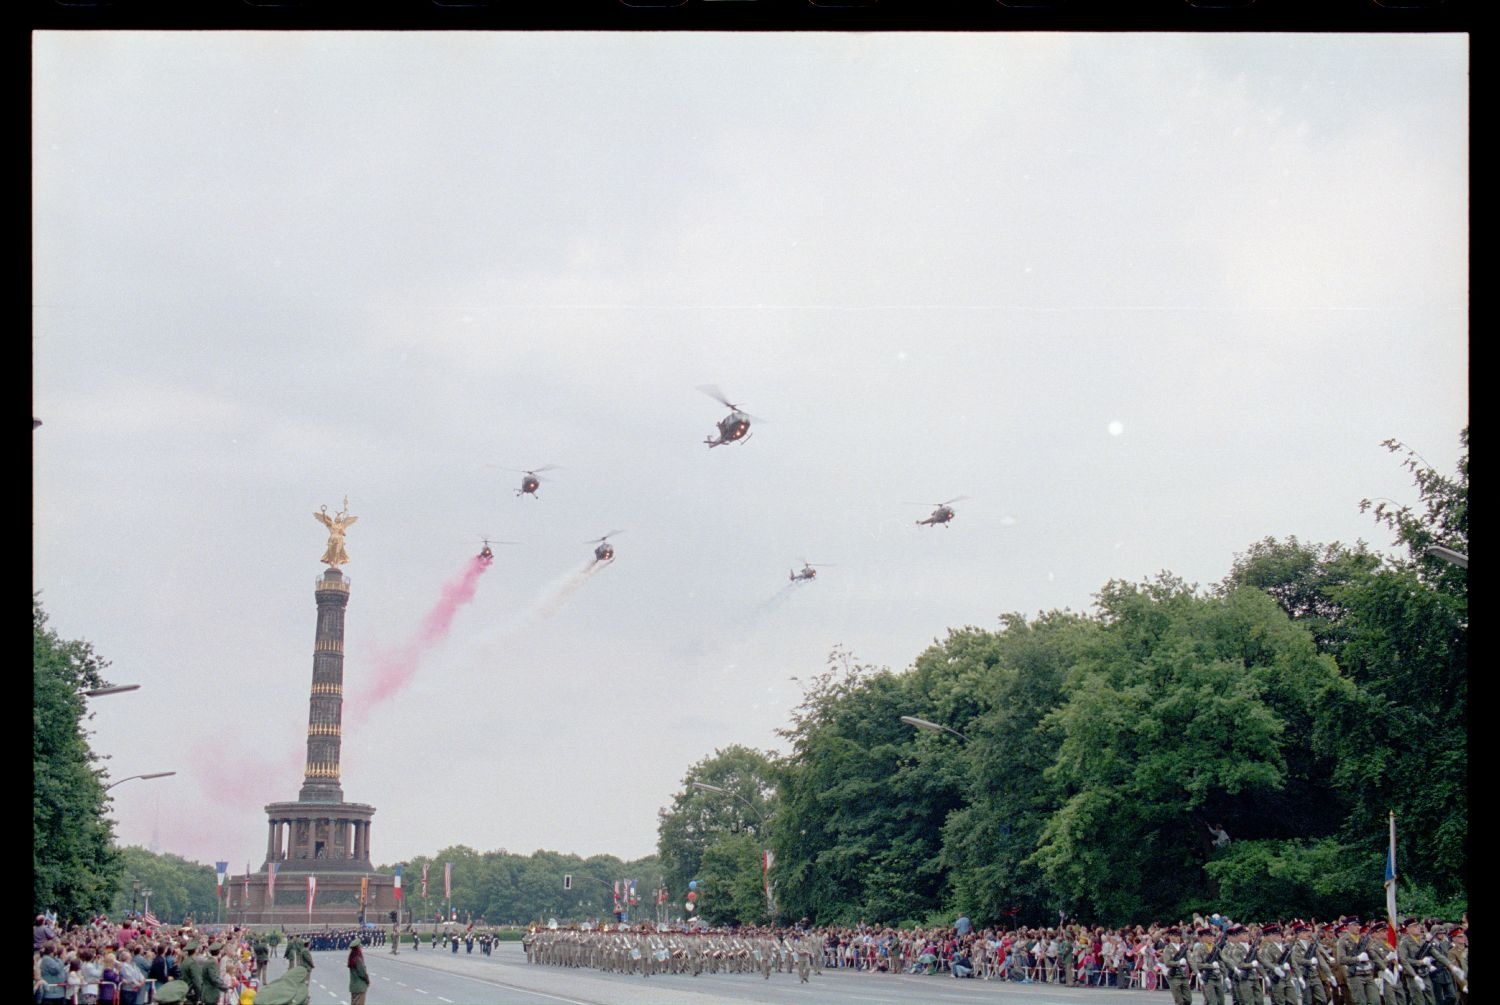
column 178, row 887
column 727, row 829
column 502, row 887
column 1184, row 711
column 859, row 831
column 1018, row 675
column 75, row 866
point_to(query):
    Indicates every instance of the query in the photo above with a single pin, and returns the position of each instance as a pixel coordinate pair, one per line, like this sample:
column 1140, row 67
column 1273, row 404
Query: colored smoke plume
column 394, row 670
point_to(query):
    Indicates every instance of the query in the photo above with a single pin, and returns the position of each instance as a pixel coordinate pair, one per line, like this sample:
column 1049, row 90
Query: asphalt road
column 442, row 978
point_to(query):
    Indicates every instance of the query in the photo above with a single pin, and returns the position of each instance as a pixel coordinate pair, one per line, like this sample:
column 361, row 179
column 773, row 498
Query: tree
column 700, row 820
column 75, row 867
column 1185, row 710
column 178, row 887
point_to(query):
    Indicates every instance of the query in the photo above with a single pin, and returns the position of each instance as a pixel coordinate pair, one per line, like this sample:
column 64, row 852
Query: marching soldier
column 1352, row 952
column 1235, row 955
column 1275, row 963
column 1174, row 967
column 1414, row 957
column 1308, row 966
column 1458, row 962
column 1205, row 959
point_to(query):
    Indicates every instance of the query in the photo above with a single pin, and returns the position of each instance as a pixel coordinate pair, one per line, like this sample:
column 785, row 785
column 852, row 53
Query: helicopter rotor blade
column 953, row 500
column 713, row 392
column 601, row 540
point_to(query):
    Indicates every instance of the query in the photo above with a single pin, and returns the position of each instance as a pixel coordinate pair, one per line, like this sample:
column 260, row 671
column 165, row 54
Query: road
column 442, row 978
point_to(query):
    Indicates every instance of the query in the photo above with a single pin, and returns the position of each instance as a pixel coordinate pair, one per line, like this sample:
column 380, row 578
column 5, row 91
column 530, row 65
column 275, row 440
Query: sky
column 1142, row 300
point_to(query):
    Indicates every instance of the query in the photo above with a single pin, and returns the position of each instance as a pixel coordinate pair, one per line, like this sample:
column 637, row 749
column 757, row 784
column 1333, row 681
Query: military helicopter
column 530, row 483
column 942, row 514
column 485, row 552
column 606, row 551
column 809, row 571
column 733, row 427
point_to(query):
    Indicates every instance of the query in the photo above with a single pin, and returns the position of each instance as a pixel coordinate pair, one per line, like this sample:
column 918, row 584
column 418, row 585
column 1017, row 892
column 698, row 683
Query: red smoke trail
column 394, row 670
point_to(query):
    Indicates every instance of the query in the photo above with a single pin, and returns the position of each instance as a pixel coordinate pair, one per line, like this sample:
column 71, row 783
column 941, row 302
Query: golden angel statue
column 335, row 555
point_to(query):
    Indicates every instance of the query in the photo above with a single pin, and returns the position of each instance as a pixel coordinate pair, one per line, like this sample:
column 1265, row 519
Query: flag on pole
column 312, row 889
column 364, row 890
column 246, row 891
column 424, row 882
column 271, row 884
column 447, row 880
column 1390, row 887
column 151, row 920
column 398, row 882
column 767, row 860
column 221, row 870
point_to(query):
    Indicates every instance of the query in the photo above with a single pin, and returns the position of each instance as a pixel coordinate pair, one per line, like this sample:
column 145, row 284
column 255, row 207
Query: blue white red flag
column 398, row 882
column 1390, row 887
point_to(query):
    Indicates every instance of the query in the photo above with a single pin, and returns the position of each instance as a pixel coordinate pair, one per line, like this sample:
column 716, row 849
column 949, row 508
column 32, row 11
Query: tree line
column 1234, row 748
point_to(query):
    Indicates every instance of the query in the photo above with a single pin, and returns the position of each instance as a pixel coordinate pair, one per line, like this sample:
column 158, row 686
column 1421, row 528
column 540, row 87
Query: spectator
column 963, row 965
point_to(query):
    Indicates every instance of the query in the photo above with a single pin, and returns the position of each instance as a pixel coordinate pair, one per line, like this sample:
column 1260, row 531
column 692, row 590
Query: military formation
column 644, row 951
column 1301, row 964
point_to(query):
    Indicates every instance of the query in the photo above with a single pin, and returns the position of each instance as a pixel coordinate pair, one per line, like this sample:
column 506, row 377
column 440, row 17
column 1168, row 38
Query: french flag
column 398, row 882
column 1390, row 888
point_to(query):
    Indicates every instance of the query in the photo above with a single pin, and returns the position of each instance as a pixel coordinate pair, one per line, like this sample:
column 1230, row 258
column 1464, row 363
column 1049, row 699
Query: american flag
column 150, row 919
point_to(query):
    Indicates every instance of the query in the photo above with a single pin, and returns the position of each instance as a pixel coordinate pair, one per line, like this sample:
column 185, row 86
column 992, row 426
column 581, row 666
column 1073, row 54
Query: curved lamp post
column 1457, row 558
column 931, row 727
column 154, row 774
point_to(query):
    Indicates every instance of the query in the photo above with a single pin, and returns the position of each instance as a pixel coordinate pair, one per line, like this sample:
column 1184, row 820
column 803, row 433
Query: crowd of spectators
column 105, row 963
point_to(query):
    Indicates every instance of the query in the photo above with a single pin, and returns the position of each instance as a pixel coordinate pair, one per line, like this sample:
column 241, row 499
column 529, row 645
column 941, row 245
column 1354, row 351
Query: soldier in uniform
column 1458, row 962
column 1352, row 952
column 1276, row 964
column 1174, row 967
column 1205, row 959
column 1308, row 966
column 1234, row 954
column 1065, row 947
column 1415, row 959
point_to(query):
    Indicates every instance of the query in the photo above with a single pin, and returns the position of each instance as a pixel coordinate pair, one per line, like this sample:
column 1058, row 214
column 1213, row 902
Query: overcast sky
column 1143, row 299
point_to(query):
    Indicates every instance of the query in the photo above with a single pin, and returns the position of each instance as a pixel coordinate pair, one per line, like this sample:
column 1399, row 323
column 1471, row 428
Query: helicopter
column 530, row 483
column 809, row 571
column 606, row 551
column 942, row 514
column 485, row 553
column 733, row 427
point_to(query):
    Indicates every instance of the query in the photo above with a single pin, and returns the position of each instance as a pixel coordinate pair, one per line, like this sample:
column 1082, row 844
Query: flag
column 398, row 882
column 447, row 880
column 247, row 887
column 271, row 884
column 1390, row 887
column 617, row 896
column 424, row 882
column 151, row 920
column 364, row 890
column 312, row 890
column 221, row 870
column 767, row 861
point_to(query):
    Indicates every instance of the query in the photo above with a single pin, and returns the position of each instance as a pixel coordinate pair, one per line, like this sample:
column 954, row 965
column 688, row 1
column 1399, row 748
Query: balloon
column 688, row 906
column 693, row 884
column 692, row 896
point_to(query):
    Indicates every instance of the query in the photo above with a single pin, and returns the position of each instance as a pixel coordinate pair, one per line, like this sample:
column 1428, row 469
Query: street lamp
column 765, row 859
column 1457, row 558
column 99, row 692
column 154, row 774
column 931, row 727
